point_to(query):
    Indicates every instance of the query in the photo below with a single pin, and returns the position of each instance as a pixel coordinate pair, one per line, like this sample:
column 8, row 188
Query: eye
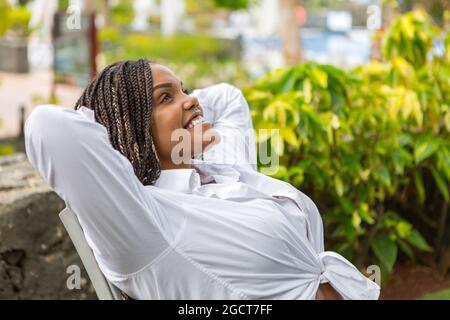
column 186, row 91
column 166, row 97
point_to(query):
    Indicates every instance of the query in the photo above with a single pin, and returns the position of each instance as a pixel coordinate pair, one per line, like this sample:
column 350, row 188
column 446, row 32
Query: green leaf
column 406, row 248
column 346, row 205
column 404, row 139
column 289, row 81
column 365, row 213
column 447, row 121
column 424, row 148
column 289, row 136
column 416, row 239
column 441, row 184
column 321, row 77
column 339, row 185
column 356, row 220
column 419, row 186
column 444, row 159
column 385, row 177
column 307, row 90
column 385, row 250
column 403, row 229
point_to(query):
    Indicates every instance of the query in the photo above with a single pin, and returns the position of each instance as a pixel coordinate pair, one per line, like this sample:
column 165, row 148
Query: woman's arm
column 73, row 154
column 229, row 112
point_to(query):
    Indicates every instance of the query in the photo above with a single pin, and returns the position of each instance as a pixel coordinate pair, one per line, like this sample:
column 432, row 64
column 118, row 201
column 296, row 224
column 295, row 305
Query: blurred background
column 360, row 91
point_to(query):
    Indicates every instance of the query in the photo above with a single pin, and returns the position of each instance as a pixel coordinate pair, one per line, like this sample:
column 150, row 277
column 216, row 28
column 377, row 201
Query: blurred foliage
column 178, row 48
column 122, row 13
column 203, row 14
column 63, row 5
column 440, row 295
column 15, row 20
column 435, row 8
column 6, row 149
column 5, row 11
column 234, row 4
column 199, row 60
column 410, row 37
column 371, row 146
column 23, row 2
column 19, row 21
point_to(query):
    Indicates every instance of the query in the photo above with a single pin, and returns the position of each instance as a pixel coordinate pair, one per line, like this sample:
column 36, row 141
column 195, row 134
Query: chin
column 209, row 138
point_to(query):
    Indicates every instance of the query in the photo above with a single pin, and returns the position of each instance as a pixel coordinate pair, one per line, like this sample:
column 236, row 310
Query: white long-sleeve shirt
column 216, row 231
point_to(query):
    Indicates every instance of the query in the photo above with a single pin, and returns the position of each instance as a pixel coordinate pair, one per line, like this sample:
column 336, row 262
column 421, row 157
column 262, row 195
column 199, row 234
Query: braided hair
column 121, row 98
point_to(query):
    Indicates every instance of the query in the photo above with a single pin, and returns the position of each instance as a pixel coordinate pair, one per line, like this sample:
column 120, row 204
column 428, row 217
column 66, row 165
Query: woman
column 168, row 225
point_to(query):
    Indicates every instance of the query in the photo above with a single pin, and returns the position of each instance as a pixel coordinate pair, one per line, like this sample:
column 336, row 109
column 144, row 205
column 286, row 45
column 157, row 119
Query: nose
column 190, row 102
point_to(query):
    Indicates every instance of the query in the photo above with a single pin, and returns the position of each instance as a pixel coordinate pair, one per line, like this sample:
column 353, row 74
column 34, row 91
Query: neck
column 171, row 165
column 168, row 164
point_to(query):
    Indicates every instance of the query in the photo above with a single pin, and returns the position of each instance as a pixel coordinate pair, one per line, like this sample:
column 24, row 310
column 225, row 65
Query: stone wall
column 35, row 249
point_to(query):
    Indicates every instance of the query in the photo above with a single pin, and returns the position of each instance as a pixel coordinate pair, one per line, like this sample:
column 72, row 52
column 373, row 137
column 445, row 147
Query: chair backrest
column 103, row 288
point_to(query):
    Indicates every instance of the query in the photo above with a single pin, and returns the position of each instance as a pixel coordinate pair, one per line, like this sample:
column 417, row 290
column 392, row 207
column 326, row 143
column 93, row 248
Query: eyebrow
column 165, row 85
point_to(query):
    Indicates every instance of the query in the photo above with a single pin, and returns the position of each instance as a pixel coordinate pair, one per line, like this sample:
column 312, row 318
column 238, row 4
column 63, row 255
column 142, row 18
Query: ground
column 411, row 281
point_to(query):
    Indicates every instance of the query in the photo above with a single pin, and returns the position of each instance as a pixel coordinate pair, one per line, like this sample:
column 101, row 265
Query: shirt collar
column 204, row 172
column 182, row 180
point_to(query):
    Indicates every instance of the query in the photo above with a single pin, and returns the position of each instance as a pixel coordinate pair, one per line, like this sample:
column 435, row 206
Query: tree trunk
column 104, row 10
column 290, row 33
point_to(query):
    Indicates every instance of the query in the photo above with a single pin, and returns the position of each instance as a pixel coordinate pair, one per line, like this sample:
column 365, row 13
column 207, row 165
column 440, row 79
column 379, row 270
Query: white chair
column 103, row 288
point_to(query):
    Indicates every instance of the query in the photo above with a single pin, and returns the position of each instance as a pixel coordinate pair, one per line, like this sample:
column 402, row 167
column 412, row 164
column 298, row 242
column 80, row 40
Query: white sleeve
column 225, row 106
column 74, row 156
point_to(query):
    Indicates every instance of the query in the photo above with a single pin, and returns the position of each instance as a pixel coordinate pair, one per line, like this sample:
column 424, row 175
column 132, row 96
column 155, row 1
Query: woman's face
column 178, row 128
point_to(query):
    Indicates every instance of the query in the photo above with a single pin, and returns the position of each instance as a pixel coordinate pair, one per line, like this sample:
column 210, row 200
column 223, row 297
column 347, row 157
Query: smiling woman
column 175, row 109
column 202, row 229
column 142, row 104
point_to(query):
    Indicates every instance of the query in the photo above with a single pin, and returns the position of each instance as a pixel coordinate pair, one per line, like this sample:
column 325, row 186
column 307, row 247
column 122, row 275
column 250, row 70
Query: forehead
column 162, row 74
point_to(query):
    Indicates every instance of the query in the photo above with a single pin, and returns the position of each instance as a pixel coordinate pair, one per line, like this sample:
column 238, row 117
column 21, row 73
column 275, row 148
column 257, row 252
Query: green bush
column 5, row 11
column 410, row 37
column 15, row 20
column 179, row 48
column 198, row 60
column 20, row 19
column 63, row 5
column 371, row 146
column 234, row 4
column 122, row 13
column 6, row 149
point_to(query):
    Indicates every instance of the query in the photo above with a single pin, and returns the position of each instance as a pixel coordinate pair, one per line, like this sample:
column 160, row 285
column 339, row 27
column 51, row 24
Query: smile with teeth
column 197, row 120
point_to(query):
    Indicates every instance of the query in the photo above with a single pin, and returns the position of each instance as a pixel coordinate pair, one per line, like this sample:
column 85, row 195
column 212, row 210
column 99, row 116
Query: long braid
column 121, row 98
column 112, row 129
column 122, row 94
column 136, row 101
column 150, row 157
column 129, row 113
